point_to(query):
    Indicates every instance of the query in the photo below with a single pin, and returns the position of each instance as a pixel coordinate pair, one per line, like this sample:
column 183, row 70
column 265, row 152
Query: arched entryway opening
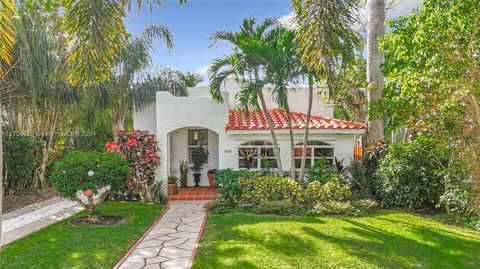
column 182, row 141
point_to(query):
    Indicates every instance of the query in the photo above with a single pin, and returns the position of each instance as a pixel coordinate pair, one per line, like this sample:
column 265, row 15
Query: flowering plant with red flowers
column 140, row 149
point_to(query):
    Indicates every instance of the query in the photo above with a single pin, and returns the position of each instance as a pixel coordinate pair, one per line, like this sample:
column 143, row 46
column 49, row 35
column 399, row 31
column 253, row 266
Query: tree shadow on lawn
column 428, row 248
column 234, row 248
column 253, row 241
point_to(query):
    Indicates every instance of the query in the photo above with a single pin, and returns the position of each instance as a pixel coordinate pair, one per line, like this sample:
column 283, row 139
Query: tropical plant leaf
column 7, row 32
column 96, row 34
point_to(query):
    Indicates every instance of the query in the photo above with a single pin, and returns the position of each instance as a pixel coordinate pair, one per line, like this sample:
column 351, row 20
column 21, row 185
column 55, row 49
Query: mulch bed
column 102, row 221
column 25, row 198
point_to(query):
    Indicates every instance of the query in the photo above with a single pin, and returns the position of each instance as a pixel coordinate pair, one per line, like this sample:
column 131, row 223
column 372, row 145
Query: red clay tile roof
column 238, row 120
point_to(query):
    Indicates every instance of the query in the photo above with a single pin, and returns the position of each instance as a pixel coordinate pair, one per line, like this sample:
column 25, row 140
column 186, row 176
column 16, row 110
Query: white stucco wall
column 342, row 142
column 195, row 111
column 146, row 119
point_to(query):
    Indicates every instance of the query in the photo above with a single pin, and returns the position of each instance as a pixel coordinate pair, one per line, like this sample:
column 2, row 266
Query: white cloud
column 288, row 21
column 202, row 70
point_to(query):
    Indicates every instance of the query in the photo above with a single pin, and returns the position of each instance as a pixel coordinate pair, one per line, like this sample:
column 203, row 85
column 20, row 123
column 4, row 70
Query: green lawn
column 383, row 240
column 59, row 246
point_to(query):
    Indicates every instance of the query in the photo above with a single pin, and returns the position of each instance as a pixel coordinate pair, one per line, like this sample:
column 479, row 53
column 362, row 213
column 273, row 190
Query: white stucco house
column 183, row 123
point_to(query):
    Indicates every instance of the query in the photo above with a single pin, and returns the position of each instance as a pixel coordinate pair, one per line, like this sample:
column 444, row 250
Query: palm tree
column 96, row 34
column 376, row 29
column 245, row 66
column 131, row 84
column 191, row 79
column 326, row 39
column 41, row 76
column 282, row 68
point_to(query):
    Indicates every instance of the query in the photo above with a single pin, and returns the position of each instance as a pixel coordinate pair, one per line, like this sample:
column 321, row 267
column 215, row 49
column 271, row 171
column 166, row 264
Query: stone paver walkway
column 171, row 242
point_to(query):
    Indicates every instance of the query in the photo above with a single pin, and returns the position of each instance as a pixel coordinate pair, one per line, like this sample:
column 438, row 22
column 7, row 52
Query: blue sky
column 193, row 23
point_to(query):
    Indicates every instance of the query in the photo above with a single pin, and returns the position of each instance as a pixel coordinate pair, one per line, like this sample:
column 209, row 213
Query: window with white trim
column 255, row 155
column 315, row 150
column 196, row 137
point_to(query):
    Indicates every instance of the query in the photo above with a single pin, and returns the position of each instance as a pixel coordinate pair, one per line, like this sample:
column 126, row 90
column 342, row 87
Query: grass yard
column 59, row 246
column 383, row 240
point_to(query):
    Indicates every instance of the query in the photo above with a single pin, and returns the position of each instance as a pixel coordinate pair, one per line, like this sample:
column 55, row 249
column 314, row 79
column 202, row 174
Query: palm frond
column 96, row 34
column 7, row 32
column 155, row 33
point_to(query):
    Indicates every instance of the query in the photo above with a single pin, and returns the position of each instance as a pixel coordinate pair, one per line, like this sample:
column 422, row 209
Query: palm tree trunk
column 307, row 121
column 293, row 170
column 376, row 29
column 276, row 148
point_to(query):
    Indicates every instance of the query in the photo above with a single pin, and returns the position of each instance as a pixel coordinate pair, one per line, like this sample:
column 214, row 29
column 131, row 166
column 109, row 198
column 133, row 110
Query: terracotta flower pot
column 211, row 179
column 172, row 189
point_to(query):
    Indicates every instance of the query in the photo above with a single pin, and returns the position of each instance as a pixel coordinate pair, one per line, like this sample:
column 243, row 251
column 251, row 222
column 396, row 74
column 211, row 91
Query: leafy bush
column 460, row 191
column 140, row 149
column 219, row 206
column 90, row 172
column 370, row 162
column 228, row 185
column 411, row 174
column 330, row 191
column 269, row 188
column 362, row 185
column 277, row 207
column 323, row 172
column 21, row 155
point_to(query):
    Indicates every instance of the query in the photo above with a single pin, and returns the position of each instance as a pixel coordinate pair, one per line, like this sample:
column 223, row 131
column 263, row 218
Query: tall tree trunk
column 376, row 29
column 276, row 148
column 305, row 133
column 293, row 170
column 48, row 135
column 120, row 116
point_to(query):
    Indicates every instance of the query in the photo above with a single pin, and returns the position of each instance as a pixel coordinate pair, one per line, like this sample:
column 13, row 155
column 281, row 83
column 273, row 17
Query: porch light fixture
column 195, row 135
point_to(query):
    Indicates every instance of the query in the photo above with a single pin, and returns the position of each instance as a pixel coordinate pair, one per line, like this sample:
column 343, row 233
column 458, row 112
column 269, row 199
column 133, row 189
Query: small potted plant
column 211, row 176
column 172, row 184
column 199, row 158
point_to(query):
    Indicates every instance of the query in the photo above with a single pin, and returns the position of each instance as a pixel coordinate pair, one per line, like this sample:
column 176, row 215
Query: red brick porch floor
column 195, row 194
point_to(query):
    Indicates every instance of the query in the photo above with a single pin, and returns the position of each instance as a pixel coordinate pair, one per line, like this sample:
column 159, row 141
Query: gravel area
column 41, row 213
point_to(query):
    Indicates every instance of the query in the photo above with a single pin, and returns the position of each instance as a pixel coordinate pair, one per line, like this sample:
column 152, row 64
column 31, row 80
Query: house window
column 256, row 155
column 315, row 150
column 196, row 137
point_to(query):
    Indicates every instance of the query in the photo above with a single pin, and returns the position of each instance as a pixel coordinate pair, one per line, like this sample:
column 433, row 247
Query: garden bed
column 26, row 198
column 386, row 239
column 82, row 246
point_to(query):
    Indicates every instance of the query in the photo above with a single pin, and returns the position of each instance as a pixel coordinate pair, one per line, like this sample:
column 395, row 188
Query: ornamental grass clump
column 88, row 176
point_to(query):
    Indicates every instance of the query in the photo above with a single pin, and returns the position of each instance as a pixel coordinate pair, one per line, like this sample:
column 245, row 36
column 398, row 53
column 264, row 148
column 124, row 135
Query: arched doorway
column 182, row 141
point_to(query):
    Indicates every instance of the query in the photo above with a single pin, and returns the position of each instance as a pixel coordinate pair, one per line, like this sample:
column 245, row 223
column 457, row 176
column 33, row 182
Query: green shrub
column 330, row 191
column 411, row 174
column 277, row 207
column 323, row 172
column 21, row 155
column 329, row 207
column 269, row 188
column 363, row 186
column 88, row 171
column 219, row 206
column 227, row 181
